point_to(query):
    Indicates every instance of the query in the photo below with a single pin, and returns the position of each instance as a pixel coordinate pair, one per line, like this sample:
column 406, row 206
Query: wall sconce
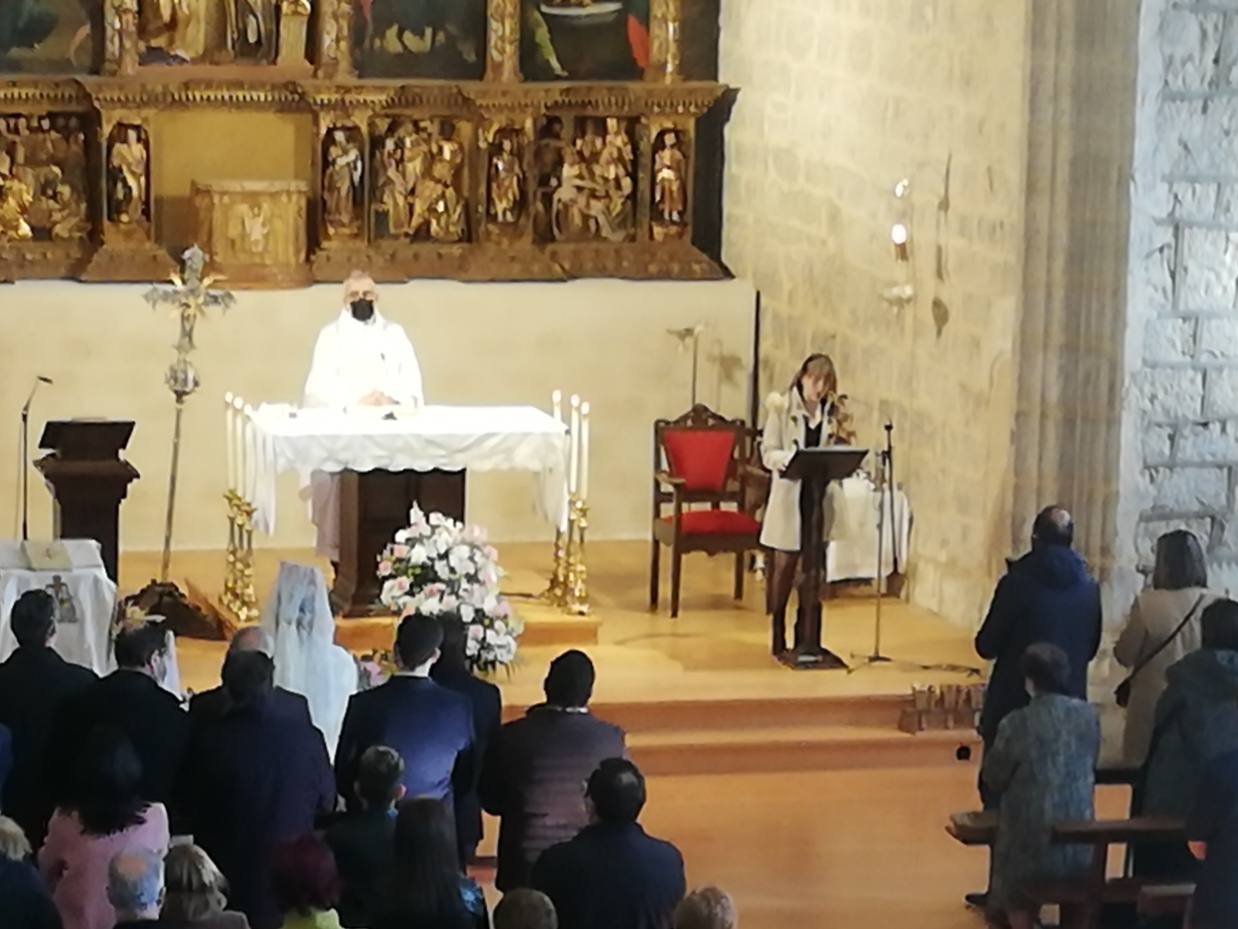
column 900, row 230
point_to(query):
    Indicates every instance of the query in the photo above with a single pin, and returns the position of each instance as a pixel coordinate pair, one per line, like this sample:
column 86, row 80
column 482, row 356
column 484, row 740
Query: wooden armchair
column 706, row 462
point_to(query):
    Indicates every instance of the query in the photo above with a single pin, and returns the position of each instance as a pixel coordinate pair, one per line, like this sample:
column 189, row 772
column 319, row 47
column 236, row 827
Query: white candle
column 239, row 425
column 584, row 451
column 573, row 468
column 556, row 402
column 251, row 456
column 230, row 440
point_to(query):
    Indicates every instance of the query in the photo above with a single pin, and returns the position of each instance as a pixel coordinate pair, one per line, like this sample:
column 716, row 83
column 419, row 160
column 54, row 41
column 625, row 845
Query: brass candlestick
column 240, row 596
column 556, row 592
column 577, row 599
column 229, row 598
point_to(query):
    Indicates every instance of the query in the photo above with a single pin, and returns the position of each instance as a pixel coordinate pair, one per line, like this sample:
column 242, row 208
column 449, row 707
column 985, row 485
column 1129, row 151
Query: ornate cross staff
column 189, row 297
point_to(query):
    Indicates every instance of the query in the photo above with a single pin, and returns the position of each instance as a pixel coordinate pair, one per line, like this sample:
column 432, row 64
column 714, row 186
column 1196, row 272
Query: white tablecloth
column 852, row 553
column 482, row 438
column 86, row 598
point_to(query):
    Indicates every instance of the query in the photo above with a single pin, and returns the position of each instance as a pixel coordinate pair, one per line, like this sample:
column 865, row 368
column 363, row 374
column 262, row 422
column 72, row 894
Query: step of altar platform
column 376, row 633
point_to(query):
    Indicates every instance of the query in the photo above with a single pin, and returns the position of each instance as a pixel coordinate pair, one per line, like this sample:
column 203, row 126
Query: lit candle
column 239, row 424
column 584, row 451
column 230, row 441
column 573, row 468
column 556, row 402
column 251, row 456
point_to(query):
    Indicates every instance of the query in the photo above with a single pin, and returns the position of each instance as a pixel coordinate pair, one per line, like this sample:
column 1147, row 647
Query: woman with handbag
column 1163, row 627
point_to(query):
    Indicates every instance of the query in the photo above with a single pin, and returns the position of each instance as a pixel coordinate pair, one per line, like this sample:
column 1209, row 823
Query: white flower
column 467, row 612
column 417, row 555
column 442, row 568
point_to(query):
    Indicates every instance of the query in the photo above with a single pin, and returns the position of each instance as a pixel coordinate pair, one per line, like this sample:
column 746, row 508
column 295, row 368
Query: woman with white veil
column 307, row 660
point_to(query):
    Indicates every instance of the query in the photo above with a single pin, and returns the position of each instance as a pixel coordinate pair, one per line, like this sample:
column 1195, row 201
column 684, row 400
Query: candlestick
column 251, row 456
column 230, row 440
column 573, row 470
column 556, row 402
column 238, row 405
column 584, row 451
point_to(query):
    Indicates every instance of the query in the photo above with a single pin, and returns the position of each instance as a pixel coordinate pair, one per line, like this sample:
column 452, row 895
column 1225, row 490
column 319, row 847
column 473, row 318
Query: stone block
column 1194, row 201
column 1169, row 340
column 1208, row 269
column 1190, row 42
column 1199, row 443
column 1169, row 393
column 1218, row 338
column 1221, row 396
column 1157, row 445
column 1188, row 489
column 1150, row 530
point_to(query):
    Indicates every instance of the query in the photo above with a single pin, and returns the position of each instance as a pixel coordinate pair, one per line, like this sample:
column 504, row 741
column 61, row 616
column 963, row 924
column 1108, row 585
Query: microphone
column 25, row 455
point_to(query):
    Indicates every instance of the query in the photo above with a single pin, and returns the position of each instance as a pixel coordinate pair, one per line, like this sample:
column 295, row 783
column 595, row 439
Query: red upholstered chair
column 700, row 469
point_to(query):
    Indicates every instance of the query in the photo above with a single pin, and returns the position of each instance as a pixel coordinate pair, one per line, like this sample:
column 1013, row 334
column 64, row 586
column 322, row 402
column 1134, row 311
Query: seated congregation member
column 535, row 767
column 307, row 885
column 707, row 908
column 451, row 671
column 1212, row 830
column 525, row 908
column 1195, row 722
column 132, row 700
column 1046, row 596
column 106, row 815
column 424, row 888
column 196, row 892
column 213, row 703
column 430, row 726
column 252, row 779
column 800, row 418
column 1163, row 628
column 612, row 875
column 362, row 840
column 1041, row 770
column 135, row 889
column 34, row 683
column 24, row 900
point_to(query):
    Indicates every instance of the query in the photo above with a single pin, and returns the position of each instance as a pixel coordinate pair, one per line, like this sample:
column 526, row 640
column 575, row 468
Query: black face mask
column 362, row 309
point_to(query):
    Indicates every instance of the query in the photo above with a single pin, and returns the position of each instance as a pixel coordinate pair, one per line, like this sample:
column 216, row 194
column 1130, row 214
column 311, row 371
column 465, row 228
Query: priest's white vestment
column 352, row 360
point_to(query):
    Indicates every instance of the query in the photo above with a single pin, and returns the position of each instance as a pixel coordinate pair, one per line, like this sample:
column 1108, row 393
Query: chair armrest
column 668, row 480
column 748, row 469
column 1120, row 831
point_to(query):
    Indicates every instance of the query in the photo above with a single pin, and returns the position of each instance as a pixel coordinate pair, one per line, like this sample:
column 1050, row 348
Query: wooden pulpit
column 374, row 506
column 88, row 479
column 816, row 467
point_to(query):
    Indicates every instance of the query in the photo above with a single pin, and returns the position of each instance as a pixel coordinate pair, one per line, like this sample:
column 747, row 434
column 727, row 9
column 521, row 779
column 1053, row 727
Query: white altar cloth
column 852, row 552
column 85, row 595
column 448, row 438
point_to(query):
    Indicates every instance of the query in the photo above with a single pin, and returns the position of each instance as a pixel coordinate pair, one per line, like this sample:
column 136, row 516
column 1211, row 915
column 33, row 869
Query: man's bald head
column 359, row 285
column 252, row 639
column 1053, row 526
column 135, row 885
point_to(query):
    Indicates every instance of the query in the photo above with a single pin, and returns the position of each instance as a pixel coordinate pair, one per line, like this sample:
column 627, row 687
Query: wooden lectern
column 374, row 506
column 88, row 479
column 816, row 468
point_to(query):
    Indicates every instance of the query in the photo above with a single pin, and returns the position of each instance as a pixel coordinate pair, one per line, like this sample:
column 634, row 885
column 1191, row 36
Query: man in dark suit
column 130, row 699
column 34, row 684
column 254, row 778
column 363, row 841
column 430, row 726
column 535, row 767
column 612, row 875
column 213, row 703
column 1045, row 596
column 451, row 671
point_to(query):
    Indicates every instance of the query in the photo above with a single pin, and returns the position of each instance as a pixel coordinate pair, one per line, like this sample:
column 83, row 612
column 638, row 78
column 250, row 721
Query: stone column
column 503, row 41
column 665, row 36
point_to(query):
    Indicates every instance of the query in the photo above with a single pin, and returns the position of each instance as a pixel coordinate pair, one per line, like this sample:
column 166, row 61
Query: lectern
column 88, row 479
column 374, row 506
column 816, row 468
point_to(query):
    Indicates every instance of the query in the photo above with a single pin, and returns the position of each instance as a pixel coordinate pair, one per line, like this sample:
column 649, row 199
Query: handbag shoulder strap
column 1143, row 662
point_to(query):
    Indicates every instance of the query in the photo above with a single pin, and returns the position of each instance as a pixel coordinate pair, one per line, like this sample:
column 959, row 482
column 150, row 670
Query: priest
column 360, row 359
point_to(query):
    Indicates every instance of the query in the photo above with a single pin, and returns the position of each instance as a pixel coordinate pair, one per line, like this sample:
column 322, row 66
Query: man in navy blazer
column 430, row 726
column 612, row 875
column 214, row 703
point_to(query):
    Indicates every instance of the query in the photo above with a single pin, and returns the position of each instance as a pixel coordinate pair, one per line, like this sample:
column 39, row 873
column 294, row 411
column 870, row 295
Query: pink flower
column 384, row 568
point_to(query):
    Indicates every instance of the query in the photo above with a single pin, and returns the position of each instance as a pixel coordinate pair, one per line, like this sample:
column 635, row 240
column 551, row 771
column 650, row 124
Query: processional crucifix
column 189, row 297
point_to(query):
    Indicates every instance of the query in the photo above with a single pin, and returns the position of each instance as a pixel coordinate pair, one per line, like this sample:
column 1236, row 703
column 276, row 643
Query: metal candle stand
column 239, row 594
column 569, row 587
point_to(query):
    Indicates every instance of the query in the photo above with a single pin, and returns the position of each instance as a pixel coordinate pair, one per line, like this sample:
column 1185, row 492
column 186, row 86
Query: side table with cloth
column 84, row 594
column 396, row 451
column 852, row 552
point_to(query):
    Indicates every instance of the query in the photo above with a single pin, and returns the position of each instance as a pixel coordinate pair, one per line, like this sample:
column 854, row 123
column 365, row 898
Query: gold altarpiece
column 493, row 178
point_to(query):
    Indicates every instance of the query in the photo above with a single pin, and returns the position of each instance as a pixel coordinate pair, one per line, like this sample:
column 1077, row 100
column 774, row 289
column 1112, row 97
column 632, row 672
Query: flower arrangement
column 438, row 565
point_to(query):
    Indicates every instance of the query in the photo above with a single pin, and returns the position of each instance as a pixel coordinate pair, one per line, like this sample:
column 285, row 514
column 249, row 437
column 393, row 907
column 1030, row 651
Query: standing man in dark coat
column 254, row 778
column 613, row 875
column 535, row 767
column 451, row 671
column 1046, row 596
column 34, row 684
column 213, row 703
column 429, row 726
column 131, row 699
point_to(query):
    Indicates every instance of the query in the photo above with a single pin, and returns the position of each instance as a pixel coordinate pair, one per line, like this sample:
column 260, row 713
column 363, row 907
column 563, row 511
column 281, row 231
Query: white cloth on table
column 351, row 360
column 307, row 660
column 520, row 438
column 852, row 552
column 85, row 597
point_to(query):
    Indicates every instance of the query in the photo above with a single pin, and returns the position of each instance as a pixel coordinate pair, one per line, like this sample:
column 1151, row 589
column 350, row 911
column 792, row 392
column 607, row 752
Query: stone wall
column 1179, row 462
column 837, row 102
